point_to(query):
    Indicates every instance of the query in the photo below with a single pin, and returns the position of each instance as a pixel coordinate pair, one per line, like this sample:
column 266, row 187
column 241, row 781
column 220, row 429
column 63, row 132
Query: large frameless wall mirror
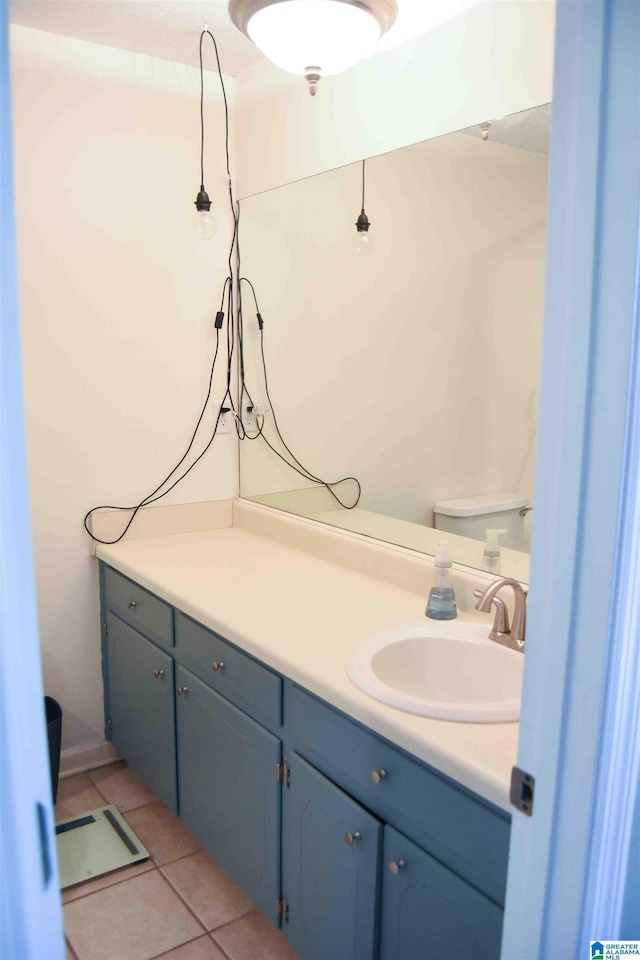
column 414, row 368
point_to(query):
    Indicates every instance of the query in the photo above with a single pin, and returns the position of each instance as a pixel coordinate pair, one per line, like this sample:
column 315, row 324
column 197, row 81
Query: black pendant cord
column 201, row 115
column 230, row 302
column 155, row 495
column 362, row 223
column 226, row 300
column 296, row 465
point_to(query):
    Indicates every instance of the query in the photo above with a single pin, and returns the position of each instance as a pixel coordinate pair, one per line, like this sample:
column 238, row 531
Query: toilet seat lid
column 483, row 503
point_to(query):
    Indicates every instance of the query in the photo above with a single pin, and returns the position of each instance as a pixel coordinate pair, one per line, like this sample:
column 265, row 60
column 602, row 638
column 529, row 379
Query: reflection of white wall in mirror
column 416, row 369
column 415, row 18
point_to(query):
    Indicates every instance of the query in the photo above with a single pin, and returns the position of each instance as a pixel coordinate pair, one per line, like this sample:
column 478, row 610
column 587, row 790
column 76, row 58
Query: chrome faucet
column 501, row 632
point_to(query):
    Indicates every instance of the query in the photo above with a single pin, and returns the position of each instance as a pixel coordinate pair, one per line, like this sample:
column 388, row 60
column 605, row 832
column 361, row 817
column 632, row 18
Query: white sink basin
column 448, row 671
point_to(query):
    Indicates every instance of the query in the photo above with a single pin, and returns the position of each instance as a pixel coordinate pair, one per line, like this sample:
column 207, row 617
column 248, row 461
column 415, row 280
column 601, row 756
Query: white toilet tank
column 473, row 516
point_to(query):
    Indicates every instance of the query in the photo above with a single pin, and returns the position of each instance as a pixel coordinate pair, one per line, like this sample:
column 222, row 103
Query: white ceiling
column 167, row 29
column 170, row 29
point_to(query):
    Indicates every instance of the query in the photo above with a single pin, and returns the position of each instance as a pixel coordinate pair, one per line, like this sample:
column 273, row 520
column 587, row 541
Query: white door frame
column 571, row 863
column 30, row 910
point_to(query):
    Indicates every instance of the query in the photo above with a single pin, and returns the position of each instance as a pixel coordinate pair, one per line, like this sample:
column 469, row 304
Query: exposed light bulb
column 364, row 240
column 205, row 223
column 205, row 226
column 364, row 243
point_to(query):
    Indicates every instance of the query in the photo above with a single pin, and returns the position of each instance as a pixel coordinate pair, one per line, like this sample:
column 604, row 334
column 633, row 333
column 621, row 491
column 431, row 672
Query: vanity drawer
column 138, row 607
column 467, row 833
column 234, row 674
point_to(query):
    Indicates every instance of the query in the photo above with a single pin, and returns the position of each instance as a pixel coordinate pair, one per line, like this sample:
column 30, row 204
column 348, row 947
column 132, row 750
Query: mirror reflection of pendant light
column 205, row 224
column 314, row 38
column 364, row 240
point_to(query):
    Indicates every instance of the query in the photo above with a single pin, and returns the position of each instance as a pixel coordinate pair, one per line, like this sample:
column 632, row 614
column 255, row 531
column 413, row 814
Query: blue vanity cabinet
column 442, row 868
column 364, row 852
column 229, row 793
column 138, row 607
column 138, row 669
column 429, row 911
column 229, row 717
column 140, row 713
column 330, row 862
column 468, row 834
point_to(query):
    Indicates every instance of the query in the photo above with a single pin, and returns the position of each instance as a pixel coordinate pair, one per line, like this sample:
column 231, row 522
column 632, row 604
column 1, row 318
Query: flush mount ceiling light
column 314, row 38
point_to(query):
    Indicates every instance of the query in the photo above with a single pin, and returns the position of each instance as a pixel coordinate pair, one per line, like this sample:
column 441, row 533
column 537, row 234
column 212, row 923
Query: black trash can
column 54, row 732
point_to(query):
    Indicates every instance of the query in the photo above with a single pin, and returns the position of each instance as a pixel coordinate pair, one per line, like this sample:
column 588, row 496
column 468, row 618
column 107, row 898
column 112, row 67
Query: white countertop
column 303, row 616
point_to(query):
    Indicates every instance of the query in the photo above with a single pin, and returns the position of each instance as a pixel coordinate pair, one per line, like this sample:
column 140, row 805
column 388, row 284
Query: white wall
column 117, row 304
column 490, row 61
column 416, row 369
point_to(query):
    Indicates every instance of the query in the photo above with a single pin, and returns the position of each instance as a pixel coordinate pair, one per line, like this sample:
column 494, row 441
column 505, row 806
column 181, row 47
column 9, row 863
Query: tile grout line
column 177, row 892
column 116, row 883
column 186, row 944
column 69, row 947
column 203, row 930
column 242, row 916
column 107, row 886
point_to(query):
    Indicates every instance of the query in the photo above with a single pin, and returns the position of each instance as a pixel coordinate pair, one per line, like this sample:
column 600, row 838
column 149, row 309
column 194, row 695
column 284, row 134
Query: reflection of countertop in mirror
column 302, row 615
column 316, row 504
column 425, row 539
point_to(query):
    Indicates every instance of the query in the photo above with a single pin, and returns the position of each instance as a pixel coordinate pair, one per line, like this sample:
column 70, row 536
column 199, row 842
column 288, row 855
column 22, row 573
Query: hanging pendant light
column 314, row 38
column 364, row 241
column 205, row 223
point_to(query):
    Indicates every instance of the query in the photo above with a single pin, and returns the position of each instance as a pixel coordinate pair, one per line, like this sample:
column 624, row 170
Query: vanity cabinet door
column 428, row 911
column 141, row 708
column 229, row 792
column 330, row 857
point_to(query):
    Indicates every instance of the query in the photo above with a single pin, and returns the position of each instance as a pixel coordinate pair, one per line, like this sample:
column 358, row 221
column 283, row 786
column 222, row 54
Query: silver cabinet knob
column 182, row 691
column 217, row 665
column 158, row 674
column 352, row 838
column 132, row 604
column 396, row 866
column 378, row 775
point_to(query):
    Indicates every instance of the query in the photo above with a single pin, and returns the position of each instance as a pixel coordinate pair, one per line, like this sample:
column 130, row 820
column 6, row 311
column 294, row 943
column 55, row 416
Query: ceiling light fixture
column 314, row 38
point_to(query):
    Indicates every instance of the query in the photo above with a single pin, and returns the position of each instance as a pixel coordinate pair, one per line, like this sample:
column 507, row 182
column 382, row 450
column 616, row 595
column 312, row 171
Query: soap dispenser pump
column 442, row 602
column 491, row 552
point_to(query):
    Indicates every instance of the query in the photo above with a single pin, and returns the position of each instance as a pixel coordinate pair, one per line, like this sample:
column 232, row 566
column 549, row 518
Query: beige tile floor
column 179, row 905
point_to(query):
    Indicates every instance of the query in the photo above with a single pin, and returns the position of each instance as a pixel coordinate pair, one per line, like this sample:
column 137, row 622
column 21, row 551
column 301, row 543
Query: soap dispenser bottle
column 491, row 552
column 442, row 602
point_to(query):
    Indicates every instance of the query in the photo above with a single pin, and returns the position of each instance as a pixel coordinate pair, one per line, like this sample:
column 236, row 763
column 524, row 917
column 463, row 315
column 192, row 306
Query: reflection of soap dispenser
column 442, row 602
column 491, row 552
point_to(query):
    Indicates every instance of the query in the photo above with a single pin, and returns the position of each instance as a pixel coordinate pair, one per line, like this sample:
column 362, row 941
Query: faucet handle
column 501, row 622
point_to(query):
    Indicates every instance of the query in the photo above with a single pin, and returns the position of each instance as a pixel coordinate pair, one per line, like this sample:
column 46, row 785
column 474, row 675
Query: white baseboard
column 87, row 757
